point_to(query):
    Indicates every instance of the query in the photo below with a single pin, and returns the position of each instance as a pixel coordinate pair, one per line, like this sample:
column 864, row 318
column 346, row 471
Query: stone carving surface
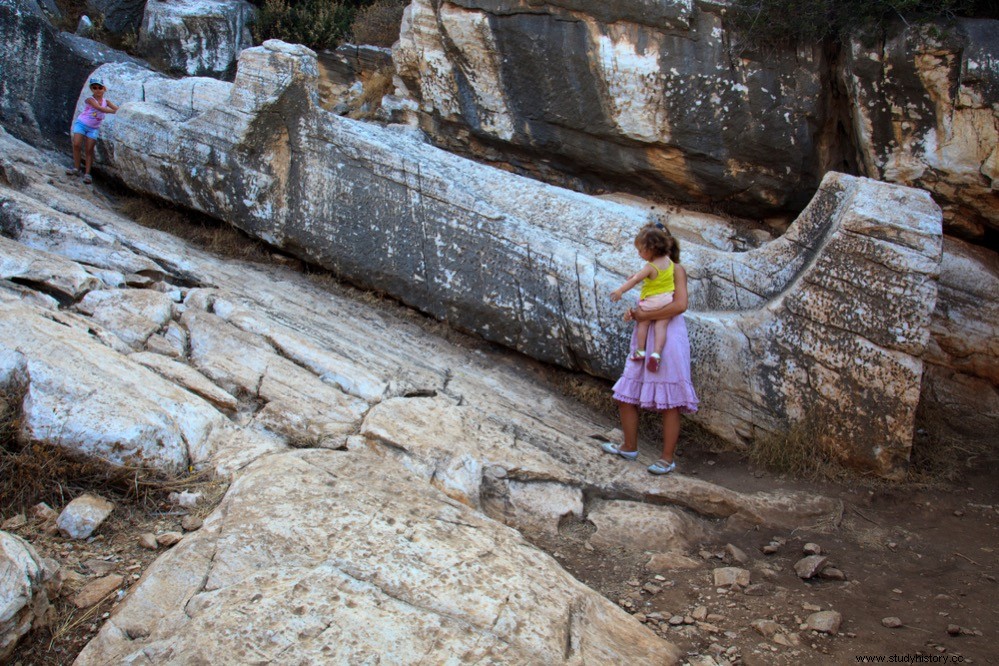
column 319, row 539
column 829, row 322
column 195, row 37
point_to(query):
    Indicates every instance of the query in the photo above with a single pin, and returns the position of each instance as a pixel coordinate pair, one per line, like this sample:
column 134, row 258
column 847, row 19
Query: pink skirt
column 670, row 386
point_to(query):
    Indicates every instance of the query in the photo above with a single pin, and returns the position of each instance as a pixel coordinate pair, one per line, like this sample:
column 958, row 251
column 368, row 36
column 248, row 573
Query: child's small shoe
column 73, row 172
column 638, row 355
column 87, row 179
column 662, row 467
column 616, row 450
column 653, row 365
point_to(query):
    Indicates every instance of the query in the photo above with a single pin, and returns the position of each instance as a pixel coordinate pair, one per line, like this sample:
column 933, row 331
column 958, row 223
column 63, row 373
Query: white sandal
column 616, row 450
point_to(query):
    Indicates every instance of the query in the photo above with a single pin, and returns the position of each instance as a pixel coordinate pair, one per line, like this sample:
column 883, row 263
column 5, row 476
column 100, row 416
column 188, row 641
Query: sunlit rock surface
column 827, row 323
column 412, row 445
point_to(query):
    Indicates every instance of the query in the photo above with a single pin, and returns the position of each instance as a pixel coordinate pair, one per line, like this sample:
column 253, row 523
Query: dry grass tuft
column 799, row 451
column 213, row 236
column 938, row 457
column 32, row 472
column 35, row 472
column 376, row 85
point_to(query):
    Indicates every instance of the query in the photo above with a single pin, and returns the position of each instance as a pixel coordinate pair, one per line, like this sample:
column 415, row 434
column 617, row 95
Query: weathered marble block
column 826, row 324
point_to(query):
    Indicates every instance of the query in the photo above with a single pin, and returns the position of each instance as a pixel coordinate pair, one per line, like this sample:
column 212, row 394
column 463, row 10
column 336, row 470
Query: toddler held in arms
column 655, row 246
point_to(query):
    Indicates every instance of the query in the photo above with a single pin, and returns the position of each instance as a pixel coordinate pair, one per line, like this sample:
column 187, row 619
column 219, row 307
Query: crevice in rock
column 64, row 299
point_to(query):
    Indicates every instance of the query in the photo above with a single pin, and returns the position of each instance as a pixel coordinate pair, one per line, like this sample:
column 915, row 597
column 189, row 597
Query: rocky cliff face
column 656, row 96
column 668, row 99
column 924, row 106
column 776, row 336
column 195, row 37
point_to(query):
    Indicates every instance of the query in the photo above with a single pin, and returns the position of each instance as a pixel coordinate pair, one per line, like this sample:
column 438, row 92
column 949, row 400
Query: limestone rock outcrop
column 24, row 602
column 37, row 99
column 828, row 322
column 961, row 379
column 306, row 561
column 386, row 545
column 925, row 113
column 195, row 37
column 668, row 97
column 656, row 96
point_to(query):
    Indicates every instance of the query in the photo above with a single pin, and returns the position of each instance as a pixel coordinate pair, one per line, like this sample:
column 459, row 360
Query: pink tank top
column 91, row 117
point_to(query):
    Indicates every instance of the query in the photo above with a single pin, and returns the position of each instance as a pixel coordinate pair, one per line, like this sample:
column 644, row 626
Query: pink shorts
column 656, row 302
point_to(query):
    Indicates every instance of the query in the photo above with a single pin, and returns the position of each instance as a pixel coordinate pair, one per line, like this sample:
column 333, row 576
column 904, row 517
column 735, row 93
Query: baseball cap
column 97, row 82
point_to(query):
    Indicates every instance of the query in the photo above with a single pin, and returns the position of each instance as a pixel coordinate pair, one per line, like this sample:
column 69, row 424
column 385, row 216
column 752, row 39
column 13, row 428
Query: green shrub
column 789, row 21
column 378, row 23
column 318, row 24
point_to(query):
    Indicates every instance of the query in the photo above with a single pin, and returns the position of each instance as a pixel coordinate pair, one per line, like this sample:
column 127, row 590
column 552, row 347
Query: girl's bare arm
column 678, row 306
column 632, row 281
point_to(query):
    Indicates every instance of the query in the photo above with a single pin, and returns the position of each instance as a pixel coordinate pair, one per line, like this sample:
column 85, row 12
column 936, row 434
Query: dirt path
column 925, row 556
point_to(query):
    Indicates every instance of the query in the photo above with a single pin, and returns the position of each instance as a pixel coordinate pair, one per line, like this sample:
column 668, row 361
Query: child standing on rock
column 86, row 126
column 656, row 246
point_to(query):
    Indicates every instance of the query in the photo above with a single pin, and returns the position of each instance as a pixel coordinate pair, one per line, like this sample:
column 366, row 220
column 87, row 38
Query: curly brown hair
column 657, row 239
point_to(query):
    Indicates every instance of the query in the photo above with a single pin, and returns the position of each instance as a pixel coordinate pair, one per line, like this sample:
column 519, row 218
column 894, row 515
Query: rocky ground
column 926, row 556
column 923, row 555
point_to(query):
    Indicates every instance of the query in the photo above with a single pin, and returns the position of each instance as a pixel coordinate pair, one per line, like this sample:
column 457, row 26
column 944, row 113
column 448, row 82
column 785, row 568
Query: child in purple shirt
column 86, row 125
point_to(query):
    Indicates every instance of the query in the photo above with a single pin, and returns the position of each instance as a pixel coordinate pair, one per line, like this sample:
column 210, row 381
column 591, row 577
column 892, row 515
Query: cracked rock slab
column 312, row 558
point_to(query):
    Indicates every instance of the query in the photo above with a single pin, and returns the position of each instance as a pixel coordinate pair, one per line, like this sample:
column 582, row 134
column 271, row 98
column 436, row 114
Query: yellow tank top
column 660, row 284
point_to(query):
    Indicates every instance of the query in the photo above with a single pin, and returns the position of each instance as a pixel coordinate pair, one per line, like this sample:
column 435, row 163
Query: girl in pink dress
column 667, row 388
column 86, row 126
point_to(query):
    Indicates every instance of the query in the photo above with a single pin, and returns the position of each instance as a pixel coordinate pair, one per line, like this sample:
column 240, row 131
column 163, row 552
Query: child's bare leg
column 77, row 150
column 641, row 337
column 91, row 144
column 660, row 330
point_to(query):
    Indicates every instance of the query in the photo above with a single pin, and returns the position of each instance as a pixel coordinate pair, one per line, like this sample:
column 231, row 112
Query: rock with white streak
column 187, row 377
column 784, row 308
column 437, row 583
column 75, row 383
column 661, row 94
column 131, row 314
column 83, row 515
column 924, row 111
column 195, row 37
column 23, row 599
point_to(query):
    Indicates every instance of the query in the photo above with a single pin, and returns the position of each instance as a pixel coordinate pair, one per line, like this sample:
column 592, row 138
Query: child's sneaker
column 638, row 355
column 653, row 365
column 87, row 179
column 73, row 172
